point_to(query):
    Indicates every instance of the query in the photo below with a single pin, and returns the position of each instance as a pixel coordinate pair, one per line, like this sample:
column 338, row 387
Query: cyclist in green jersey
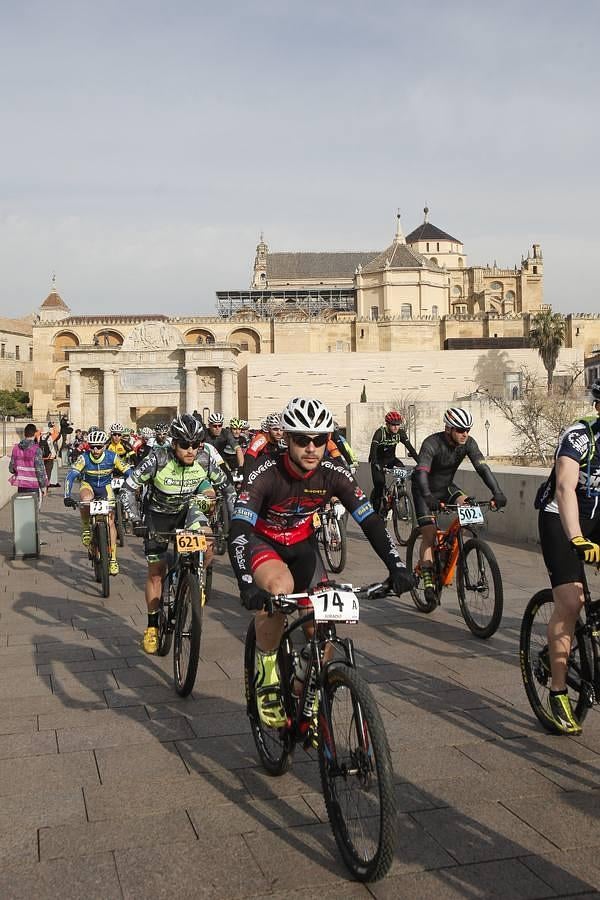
column 179, row 495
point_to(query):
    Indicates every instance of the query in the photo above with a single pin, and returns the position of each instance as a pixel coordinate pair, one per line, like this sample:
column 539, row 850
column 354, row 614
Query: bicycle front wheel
column 102, row 551
column 274, row 745
column 188, row 631
column 335, row 543
column 535, row 661
column 357, row 774
column 165, row 628
column 479, row 588
column 417, row 593
column 403, row 517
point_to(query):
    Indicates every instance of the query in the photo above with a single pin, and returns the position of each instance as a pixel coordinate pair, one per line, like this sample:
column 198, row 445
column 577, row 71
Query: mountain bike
column 185, row 588
column 335, row 711
column 332, row 533
column 99, row 548
column 478, row 582
column 397, row 498
column 583, row 665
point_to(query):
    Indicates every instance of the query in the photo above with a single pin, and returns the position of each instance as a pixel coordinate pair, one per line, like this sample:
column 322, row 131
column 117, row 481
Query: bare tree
column 538, row 419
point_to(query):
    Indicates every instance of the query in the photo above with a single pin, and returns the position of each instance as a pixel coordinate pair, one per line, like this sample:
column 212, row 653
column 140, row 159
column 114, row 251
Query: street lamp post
column 487, row 437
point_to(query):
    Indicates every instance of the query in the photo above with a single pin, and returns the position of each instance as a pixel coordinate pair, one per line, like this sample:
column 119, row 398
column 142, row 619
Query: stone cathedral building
column 413, row 317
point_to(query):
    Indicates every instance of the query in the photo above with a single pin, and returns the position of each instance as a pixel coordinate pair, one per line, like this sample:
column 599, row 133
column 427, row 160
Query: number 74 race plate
column 335, row 605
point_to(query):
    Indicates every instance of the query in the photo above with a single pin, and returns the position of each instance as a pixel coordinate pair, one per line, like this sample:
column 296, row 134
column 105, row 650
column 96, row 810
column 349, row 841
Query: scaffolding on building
column 266, row 304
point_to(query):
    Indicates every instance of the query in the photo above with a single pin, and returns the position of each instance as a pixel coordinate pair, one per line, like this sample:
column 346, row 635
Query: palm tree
column 547, row 336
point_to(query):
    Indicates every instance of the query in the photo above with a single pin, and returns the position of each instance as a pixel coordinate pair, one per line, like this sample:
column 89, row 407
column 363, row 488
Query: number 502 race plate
column 335, row 606
column 470, row 515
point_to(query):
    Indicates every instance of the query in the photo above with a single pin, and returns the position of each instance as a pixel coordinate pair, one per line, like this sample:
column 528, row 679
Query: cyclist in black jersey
column 272, row 544
column 439, row 457
column 382, row 454
column 569, row 526
column 222, row 438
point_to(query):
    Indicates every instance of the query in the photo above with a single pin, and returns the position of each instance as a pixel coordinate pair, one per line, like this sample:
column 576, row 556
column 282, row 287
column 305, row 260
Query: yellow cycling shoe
column 150, row 640
column 86, row 537
column 113, row 567
column 268, row 694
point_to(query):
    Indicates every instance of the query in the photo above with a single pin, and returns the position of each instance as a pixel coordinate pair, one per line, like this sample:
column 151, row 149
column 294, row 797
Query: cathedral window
column 406, row 311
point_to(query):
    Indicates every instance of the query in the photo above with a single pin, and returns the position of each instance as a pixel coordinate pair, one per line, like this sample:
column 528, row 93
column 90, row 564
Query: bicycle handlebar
column 288, row 603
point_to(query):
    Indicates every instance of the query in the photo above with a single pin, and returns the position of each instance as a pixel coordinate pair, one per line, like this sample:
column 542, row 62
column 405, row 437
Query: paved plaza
column 111, row 786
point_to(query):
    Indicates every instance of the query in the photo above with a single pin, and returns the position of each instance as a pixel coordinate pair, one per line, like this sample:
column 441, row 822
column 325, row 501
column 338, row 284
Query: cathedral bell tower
column 259, row 277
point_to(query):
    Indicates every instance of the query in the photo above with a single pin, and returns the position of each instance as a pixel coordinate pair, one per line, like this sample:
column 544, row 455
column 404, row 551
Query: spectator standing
column 27, row 466
column 48, row 448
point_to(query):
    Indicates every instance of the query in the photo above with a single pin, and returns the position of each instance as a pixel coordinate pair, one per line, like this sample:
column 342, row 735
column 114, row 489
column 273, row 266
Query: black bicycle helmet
column 186, row 428
column 595, row 389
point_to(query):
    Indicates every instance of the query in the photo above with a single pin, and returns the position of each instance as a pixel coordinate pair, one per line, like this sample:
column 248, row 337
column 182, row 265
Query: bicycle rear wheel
column 165, row 628
column 274, row 745
column 535, row 661
column 188, row 632
column 119, row 523
column 219, row 528
column 403, row 517
column 335, row 542
column 357, row 774
column 412, row 564
column 102, row 549
column 479, row 588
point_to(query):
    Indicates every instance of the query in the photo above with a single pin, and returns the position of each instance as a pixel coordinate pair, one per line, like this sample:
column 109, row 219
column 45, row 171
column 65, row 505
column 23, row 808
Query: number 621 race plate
column 190, row 541
column 335, row 605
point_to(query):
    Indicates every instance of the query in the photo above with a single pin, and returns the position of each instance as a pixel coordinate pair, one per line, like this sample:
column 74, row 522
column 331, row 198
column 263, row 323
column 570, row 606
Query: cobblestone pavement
column 111, row 786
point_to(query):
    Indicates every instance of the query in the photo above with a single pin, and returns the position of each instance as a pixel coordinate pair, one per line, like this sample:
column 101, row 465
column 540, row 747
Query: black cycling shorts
column 422, row 511
column 302, row 559
column 562, row 562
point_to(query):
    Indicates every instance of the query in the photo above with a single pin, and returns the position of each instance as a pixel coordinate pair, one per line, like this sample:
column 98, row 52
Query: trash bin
column 26, row 538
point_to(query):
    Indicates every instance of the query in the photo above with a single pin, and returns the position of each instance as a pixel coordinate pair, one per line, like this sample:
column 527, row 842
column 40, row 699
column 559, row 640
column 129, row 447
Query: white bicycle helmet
column 147, row 433
column 455, row 417
column 116, row 428
column 97, row 438
column 273, row 420
column 302, row 414
column 216, row 418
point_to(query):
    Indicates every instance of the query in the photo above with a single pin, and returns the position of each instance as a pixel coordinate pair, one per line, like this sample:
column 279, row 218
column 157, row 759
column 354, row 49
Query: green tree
column 14, row 403
column 363, row 394
column 547, row 336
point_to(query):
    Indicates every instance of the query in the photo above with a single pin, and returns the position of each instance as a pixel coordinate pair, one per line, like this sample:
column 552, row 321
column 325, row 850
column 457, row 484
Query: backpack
column 548, row 487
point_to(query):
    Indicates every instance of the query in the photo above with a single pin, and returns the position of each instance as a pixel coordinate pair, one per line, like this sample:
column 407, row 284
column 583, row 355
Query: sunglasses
column 215, row 425
column 462, row 430
column 303, row 440
column 185, row 445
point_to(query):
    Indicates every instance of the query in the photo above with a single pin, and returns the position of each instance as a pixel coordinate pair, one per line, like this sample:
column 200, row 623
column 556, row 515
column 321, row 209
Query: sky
column 145, row 145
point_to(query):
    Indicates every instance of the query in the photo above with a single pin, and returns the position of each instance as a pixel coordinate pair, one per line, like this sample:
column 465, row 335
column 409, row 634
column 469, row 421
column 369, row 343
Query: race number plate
column 99, row 507
column 117, row 483
column 190, row 541
column 470, row 515
column 400, row 474
column 335, row 606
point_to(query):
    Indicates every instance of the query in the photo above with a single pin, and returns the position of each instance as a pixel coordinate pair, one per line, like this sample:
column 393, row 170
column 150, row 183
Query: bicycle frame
column 451, row 541
column 590, row 630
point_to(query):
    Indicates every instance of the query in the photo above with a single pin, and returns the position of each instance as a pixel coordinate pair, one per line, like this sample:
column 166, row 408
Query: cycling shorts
column 100, row 492
column 562, row 562
column 302, row 559
column 155, row 548
column 424, row 515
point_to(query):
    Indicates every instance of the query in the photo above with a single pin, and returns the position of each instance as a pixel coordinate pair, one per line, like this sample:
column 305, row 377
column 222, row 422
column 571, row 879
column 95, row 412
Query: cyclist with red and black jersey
column 382, row 453
column 439, row 457
column 266, row 442
column 272, row 543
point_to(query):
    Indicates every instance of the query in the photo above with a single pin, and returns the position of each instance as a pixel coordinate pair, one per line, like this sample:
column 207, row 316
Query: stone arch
column 434, row 260
column 63, row 341
column 61, row 383
column 199, row 336
column 456, row 293
column 108, row 337
column 246, row 338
